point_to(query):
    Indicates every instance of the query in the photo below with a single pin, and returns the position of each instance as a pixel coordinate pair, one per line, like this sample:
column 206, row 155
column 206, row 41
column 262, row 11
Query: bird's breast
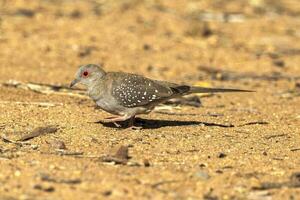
column 108, row 104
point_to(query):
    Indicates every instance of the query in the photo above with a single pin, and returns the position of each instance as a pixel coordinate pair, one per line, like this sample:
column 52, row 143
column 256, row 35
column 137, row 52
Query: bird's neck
column 95, row 89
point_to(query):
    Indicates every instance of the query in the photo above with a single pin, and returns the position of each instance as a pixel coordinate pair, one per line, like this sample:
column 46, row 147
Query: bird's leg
column 111, row 117
column 114, row 120
column 131, row 124
column 131, row 121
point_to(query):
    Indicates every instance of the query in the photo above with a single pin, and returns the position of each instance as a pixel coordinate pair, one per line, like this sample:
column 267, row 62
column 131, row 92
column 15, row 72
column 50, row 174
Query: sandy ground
column 236, row 146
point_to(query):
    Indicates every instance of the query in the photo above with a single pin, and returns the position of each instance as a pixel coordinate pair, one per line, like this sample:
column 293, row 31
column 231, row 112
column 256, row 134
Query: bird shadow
column 155, row 124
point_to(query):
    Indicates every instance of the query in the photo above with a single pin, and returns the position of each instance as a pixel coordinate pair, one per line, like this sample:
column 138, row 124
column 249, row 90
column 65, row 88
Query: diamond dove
column 127, row 95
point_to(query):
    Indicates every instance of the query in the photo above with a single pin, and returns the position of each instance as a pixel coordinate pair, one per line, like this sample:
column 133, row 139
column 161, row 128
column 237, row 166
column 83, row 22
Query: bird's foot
column 114, row 120
column 111, row 120
column 116, row 124
column 136, row 128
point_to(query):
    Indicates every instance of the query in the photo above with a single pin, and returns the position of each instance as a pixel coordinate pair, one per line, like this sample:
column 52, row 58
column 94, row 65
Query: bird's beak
column 74, row 82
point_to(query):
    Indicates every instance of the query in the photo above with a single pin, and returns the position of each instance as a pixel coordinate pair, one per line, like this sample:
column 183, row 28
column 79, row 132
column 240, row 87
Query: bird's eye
column 85, row 73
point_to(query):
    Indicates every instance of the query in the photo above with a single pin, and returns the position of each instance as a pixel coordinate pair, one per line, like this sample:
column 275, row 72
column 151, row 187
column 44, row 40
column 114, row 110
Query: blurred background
column 46, row 40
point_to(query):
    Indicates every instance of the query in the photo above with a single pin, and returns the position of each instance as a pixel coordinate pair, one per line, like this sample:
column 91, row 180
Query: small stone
column 58, row 144
column 107, row 193
column 122, row 153
column 146, row 163
column 46, row 188
column 202, row 165
column 146, row 47
column 279, row 63
column 222, row 155
column 25, row 12
column 75, row 14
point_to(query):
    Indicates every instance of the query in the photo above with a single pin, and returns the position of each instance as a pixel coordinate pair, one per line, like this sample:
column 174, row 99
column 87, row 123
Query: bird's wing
column 133, row 90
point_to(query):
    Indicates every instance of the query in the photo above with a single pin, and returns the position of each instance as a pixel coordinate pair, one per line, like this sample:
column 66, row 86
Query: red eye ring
column 85, row 73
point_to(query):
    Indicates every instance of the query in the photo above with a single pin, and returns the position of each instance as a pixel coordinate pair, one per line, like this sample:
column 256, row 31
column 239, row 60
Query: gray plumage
column 128, row 95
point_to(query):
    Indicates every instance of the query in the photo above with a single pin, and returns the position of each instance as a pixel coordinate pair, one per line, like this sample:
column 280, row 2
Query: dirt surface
column 236, row 146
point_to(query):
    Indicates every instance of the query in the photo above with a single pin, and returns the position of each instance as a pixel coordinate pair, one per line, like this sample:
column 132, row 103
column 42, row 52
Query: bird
column 126, row 95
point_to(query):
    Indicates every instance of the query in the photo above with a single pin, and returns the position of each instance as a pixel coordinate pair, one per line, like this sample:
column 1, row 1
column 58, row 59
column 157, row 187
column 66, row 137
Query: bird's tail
column 215, row 90
column 183, row 89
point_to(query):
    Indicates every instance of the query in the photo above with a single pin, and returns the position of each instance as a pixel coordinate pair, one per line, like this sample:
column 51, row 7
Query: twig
column 19, row 137
column 41, row 104
column 219, row 125
column 155, row 185
column 39, row 131
column 295, row 149
column 46, row 88
column 158, row 184
column 68, row 153
column 254, row 123
column 62, row 152
column 5, row 139
column 88, row 156
column 275, row 136
column 46, row 177
column 175, row 113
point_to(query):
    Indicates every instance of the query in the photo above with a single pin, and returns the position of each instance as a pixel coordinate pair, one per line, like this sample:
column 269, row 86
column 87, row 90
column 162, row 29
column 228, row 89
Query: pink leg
column 111, row 117
column 116, row 119
column 122, row 118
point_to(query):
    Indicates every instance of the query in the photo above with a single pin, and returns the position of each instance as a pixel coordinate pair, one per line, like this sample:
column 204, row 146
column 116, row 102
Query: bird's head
column 88, row 74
